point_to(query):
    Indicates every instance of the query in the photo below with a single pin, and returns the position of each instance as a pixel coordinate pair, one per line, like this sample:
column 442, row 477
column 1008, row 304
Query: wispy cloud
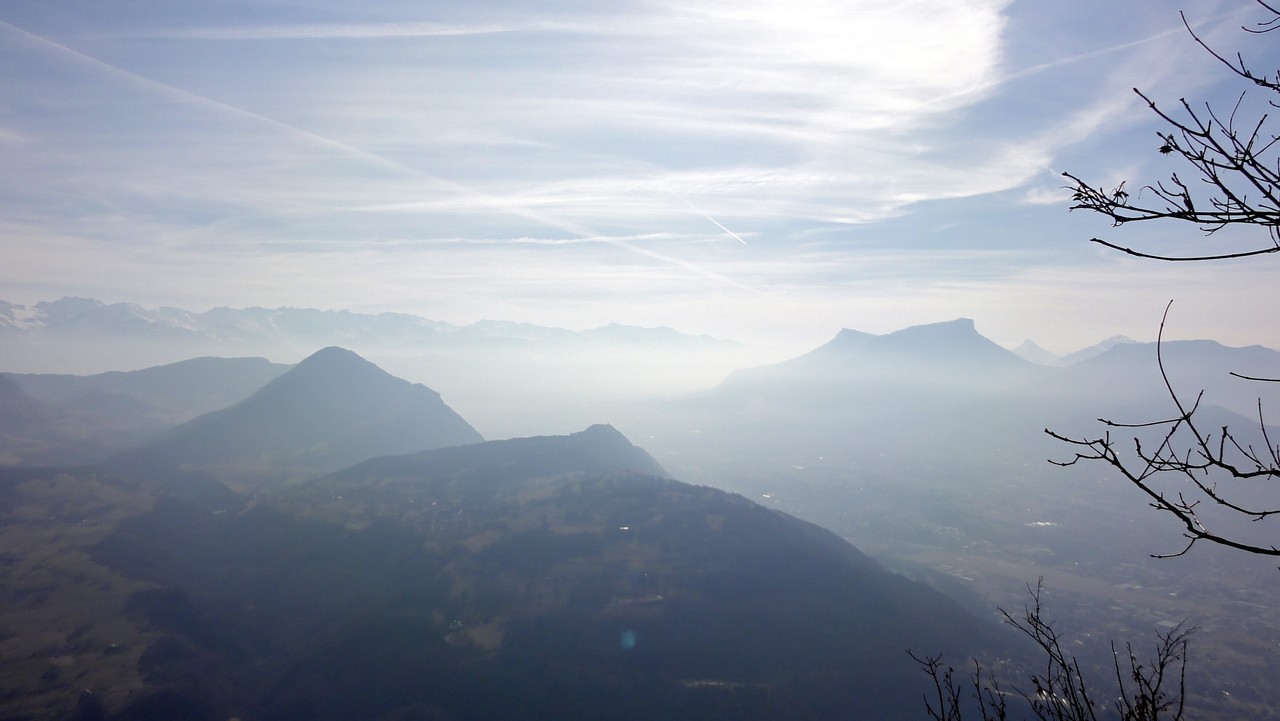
column 10, row 136
column 335, row 31
column 703, row 149
column 475, row 195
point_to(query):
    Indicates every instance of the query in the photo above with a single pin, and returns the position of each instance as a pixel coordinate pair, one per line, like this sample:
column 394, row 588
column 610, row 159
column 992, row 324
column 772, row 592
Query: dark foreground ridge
column 535, row 578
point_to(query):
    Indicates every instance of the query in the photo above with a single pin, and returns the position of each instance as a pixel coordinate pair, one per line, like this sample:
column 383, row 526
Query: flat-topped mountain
column 330, row 410
column 857, row 394
column 952, row 352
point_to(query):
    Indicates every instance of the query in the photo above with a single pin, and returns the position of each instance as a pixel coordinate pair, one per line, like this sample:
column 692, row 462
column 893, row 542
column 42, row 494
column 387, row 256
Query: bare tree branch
column 1236, row 160
column 1191, row 463
column 1153, row 690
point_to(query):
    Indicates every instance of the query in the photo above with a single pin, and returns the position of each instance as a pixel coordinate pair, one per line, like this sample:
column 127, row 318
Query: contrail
column 695, row 209
column 388, row 163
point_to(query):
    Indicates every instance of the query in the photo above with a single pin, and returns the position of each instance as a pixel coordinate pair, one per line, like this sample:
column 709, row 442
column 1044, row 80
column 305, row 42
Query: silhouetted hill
column 535, row 578
column 598, row 449
column 331, row 410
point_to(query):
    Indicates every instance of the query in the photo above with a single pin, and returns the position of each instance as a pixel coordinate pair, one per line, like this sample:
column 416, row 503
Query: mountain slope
column 552, row 577
column 1130, row 372
column 598, row 449
column 25, row 427
column 85, row 419
column 329, row 411
column 1094, row 350
column 180, row 391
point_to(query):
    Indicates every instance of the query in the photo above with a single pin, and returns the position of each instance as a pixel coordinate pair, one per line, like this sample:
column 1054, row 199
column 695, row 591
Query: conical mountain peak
column 331, row 410
column 333, row 363
column 333, row 355
column 1032, row 351
column 334, row 379
column 601, row 433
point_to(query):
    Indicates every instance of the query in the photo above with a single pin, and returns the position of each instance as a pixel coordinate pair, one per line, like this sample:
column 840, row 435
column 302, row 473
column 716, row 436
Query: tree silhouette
column 1234, row 156
column 1150, row 690
column 1207, row 478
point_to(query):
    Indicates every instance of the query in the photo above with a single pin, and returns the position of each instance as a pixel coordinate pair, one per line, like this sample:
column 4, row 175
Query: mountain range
column 925, row 447
column 948, row 387
column 40, row 335
column 204, row 574
column 507, row 378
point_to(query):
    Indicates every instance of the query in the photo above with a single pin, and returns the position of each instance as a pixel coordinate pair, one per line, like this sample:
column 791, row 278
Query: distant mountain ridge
column 1127, row 370
column 195, row 386
column 936, row 394
column 510, row 378
column 296, row 327
column 1094, row 350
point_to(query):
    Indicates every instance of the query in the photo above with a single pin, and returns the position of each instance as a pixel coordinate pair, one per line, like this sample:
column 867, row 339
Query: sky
column 759, row 171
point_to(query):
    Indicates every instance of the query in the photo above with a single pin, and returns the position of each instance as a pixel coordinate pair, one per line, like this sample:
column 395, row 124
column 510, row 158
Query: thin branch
column 1150, row 690
column 1254, row 378
column 1192, row 258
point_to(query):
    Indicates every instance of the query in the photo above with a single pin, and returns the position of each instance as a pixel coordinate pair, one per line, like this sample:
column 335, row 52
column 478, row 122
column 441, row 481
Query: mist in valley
column 925, row 448
column 460, row 362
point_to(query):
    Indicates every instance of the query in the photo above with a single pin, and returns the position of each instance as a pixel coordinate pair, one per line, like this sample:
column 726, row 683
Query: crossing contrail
column 697, row 210
column 496, row 202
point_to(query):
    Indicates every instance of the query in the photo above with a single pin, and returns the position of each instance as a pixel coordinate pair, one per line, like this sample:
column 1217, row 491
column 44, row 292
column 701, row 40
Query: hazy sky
column 761, row 171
